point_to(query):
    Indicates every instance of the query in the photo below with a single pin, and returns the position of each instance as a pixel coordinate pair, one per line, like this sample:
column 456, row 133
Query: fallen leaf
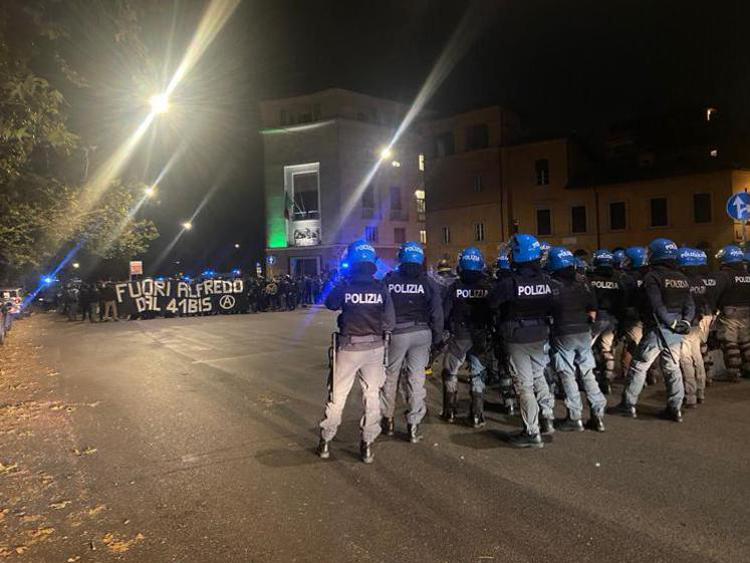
column 96, row 510
column 60, row 505
column 119, row 544
column 85, row 451
column 40, row 532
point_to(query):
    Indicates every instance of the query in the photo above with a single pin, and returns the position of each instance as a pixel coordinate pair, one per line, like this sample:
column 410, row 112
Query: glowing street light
column 159, row 103
column 386, row 153
column 150, row 191
column 187, row 225
column 236, row 244
column 76, row 265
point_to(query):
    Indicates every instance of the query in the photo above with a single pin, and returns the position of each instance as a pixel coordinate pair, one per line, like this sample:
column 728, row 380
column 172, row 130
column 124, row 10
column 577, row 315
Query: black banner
column 178, row 298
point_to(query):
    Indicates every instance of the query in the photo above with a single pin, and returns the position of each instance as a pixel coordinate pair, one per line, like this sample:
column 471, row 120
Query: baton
column 332, row 360
column 387, row 344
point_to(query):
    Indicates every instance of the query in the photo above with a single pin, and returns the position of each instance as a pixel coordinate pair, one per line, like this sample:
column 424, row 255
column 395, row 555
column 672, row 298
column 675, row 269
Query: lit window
column 423, row 237
column 714, row 153
column 446, row 235
column 421, row 162
column 396, row 164
column 709, row 113
column 479, row 232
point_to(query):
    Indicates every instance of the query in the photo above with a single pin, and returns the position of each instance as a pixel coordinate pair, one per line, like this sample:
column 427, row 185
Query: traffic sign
column 271, row 259
column 738, row 206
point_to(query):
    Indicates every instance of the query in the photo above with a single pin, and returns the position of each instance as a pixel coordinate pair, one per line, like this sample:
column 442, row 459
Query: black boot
column 389, row 426
column 365, row 452
column 596, row 422
column 323, row 450
column 570, row 425
column 547, row 425
column 627, row 410
column 414, row 434
column 605, row 386
column 675, row 415
column 450, row 400
column 477, row 410
column 526, row 440
column 510, row 406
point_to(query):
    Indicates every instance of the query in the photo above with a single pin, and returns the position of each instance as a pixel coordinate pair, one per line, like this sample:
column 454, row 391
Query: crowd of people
column 542, row 323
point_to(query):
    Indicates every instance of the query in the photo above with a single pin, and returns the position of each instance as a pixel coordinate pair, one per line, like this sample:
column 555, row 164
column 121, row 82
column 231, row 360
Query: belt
column 410, row 324
column 363, row 339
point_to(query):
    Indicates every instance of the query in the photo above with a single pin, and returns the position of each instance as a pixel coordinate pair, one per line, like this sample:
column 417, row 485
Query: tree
column 42, row 162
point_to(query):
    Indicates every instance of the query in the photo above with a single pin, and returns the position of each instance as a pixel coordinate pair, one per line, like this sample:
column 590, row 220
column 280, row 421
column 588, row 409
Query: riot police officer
column 605, row 281
column 419, row 324
column 524, row 303
column 503, row 270
column 468, row 319
column 671, row 310
column 691, row 358
column 733, row 304
column 367, row 316
column 574, row 310
column 631, row 325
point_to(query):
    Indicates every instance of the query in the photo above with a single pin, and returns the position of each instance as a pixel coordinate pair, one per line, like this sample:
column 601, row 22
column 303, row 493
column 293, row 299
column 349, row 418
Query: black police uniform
column 524, row 302
column 610, row 296
column 733, row 323
column 468, row 318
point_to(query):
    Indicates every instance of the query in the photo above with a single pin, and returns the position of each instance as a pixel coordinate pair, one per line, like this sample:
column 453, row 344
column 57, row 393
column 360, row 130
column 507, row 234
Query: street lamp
column 150, row 191
column 187, row 225
column 236, row 244
column 386, row 153
column 159, row 103
column 76, row 265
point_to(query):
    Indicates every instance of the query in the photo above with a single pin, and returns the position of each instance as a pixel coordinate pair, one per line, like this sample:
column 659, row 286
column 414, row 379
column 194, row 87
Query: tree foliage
column 43, row 164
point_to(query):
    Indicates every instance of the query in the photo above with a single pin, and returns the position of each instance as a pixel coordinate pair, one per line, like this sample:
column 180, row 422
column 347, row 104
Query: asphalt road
column 205, row 430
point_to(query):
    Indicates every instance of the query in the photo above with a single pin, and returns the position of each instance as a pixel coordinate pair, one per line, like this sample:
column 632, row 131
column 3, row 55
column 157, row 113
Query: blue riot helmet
column 603, row 257
column 503, row 262
column 471, row 260
column 637, row 255
column 619, row 259
column 560, row 258
column 525, row 248
column 411, row 253
column 691, row 257
column 730, row 254
column 662, row 249
column 360, row 259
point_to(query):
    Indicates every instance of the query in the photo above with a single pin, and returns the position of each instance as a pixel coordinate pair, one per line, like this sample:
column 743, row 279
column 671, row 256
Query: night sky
column 562, row 65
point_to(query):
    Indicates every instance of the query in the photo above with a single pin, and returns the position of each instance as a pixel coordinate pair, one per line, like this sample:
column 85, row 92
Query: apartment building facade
column 327, row 181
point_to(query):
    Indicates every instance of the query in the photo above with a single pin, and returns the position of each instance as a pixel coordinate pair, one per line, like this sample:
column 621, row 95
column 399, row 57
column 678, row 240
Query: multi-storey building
column 328, row 180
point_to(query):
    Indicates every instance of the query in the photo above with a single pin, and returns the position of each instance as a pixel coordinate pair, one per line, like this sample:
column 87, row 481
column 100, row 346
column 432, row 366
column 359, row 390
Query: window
column 421, row 206
column 543, row 222
column 421, row 163
column 617, row 216
column 659, row 212
column 578, row 219
column 302, row 193
column 714, row 153
column 282, row 116
column 542, row 172
column 423, row 237
column 446, row 235
column 399, row 235
column 395, row 198
column 444, row 144
column 702, row 208
column 477, row 183
column 477, row 137
column 479, row 232
column 316, row 112
column 368, row 202
column 371, row 234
